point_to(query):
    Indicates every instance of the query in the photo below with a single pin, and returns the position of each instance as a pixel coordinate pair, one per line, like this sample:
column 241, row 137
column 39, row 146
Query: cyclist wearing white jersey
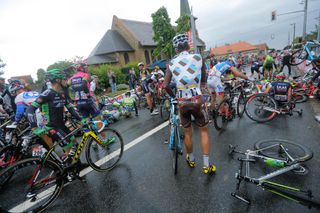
column 188, row 73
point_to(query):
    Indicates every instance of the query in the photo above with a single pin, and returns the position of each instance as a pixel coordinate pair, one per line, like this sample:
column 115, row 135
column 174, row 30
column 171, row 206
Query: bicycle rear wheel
column 33, row 186
column 297, row 151
column 219, row 116
column 259, row 108
column 104, row 157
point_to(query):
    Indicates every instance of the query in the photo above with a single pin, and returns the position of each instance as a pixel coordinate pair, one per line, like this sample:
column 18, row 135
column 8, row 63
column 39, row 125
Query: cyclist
column 189, row 74
column 80, row 84
column 52, row 102
column 214, row 80
column 281, row 91
column 268, row 67
column 255, row 67
column 130, row 102
column 22, row 100
column 146, row 81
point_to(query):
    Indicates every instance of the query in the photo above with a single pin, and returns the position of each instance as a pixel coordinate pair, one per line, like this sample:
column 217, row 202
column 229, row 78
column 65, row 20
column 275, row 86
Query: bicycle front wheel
column 104, row 157
column 177, row 150
column 261, row 108
column 241, row 104
column 220, row 117
column 165, row 109
column 33, row 186
column 271, row 148
column 298, row 57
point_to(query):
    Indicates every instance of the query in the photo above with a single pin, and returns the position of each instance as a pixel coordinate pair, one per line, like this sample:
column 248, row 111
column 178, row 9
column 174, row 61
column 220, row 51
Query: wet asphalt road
column 144, row 181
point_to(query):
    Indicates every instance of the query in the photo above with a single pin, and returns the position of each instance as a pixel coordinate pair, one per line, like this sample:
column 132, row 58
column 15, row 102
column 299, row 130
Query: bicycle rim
column 105, row 157
column 219, row 116
column 297, row 151
column 257, row 106
column 19, row 195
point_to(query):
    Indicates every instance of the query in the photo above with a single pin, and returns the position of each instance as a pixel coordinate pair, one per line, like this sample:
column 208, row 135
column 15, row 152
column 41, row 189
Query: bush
column 122, row 87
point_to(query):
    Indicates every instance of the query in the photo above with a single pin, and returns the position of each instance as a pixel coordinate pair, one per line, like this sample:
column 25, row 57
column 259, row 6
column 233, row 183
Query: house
column 235, row 48
column 263, row 48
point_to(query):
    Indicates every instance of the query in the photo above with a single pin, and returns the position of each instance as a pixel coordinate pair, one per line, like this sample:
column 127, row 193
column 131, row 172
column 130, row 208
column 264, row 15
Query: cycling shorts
column 196, row 109
column 88, row 109
column 59, row 134
column 215, row 84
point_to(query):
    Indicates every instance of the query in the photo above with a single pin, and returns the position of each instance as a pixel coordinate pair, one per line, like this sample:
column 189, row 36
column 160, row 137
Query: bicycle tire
column 299, row 56
column 220, row 120
column 14, row 194
column 241, row 103
column 297, row 151
column 257, row 113
column 103, row 158
column 299, row 97
column 164, row 110
column 291, row 195
column 175, row 152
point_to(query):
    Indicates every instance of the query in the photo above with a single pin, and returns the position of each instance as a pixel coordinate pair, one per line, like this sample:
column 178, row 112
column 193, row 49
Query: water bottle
column 275, row 163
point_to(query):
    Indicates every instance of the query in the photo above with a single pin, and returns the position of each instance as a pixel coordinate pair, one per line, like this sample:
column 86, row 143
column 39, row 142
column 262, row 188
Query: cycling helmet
column 280, row 77
column 140, row 64
column 82, row 67
column 128, row 94
column 14, row 86
column 55, row 74
column 180, row 40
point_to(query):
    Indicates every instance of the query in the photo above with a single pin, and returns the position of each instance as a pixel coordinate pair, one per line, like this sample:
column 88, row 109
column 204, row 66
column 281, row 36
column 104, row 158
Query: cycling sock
column 206, row 160
column 191, row 156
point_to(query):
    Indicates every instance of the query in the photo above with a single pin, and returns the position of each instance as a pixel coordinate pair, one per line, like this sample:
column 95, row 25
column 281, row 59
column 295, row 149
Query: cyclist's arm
column 204, row 76
column 31, row 112
column 238, row 74
column 72, row 111
column 166, row 83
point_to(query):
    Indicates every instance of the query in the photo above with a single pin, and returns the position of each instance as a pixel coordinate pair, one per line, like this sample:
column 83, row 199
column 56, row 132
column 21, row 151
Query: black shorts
column 59, row 134
column 88, row 109
column 197, row 110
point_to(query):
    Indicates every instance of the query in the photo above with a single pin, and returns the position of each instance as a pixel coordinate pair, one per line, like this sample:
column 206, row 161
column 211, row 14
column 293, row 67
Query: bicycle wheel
column 165, row 109
column 34, row 185
column 297, row 151
column 260, row 108
column 241, row 104
column 176, row 151
column 298, row 57
column 299, row 97
column 219, row 116
column 104, row 157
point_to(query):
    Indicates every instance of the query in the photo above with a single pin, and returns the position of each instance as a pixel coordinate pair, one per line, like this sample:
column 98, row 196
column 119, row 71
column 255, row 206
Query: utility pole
column 288, row 38
column 193, row 29
column 305, row 19
column 294, row 31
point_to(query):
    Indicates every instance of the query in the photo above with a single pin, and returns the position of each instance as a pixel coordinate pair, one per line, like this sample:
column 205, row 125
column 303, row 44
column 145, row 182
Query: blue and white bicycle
column 307, row 52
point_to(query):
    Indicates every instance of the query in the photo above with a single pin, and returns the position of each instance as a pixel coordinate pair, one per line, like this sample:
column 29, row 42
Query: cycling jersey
column 22, row 101
column 80, row 86
column 220, row 68
column 186, row 72
column 52, row 104
column 280, row 90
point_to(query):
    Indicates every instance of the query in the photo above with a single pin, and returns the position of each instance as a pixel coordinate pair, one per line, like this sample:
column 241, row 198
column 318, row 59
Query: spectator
column 112, row 81
column 93, row 86
column 132, row 79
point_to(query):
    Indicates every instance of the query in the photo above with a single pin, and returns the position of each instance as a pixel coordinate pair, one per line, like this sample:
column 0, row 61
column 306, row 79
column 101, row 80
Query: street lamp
column 294, row 31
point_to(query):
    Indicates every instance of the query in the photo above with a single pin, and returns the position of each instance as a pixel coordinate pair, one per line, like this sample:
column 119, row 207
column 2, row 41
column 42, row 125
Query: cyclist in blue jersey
column 189, row 74
column 215, row 77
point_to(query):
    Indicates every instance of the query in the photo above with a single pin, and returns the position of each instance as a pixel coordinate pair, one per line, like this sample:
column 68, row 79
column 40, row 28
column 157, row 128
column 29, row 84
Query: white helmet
column 180, row 40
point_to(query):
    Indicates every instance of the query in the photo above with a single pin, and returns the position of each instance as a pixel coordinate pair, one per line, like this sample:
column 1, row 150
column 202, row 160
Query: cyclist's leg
column 185, row 118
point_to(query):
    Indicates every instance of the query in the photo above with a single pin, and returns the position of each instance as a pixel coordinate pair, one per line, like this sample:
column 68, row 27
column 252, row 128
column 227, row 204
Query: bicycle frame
column 263, row 181
column 307, row 48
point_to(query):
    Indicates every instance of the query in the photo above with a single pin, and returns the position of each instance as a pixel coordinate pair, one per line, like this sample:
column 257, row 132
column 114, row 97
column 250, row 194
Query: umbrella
column 160, row 63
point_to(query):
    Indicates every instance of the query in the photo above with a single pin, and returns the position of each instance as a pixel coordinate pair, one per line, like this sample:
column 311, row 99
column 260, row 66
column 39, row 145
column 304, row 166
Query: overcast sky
column 37, row 33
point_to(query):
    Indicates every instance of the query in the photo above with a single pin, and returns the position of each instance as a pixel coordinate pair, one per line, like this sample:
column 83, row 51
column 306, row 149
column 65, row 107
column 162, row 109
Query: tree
column 163, row 32
column 183, row 23
column 2, row 65
column 66, row 65
column 41, row 75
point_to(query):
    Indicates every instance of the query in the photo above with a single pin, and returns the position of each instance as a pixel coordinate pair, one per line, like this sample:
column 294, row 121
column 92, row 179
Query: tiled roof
column 241, row 46
column 263, row 46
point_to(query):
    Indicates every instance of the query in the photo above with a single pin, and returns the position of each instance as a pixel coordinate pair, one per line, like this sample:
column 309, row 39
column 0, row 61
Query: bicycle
column 304, row 53
column 285, row 156
column 175, row 144
column 164, row 107
column 261, row 107
column 35, row 183
column 233, row 103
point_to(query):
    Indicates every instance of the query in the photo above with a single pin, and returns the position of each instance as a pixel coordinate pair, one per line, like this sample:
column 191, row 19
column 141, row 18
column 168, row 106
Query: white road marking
column 28, row 204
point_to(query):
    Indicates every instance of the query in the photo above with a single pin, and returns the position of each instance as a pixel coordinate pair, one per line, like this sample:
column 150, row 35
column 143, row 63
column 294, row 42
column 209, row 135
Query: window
column 146, row 55
column 126, row 58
